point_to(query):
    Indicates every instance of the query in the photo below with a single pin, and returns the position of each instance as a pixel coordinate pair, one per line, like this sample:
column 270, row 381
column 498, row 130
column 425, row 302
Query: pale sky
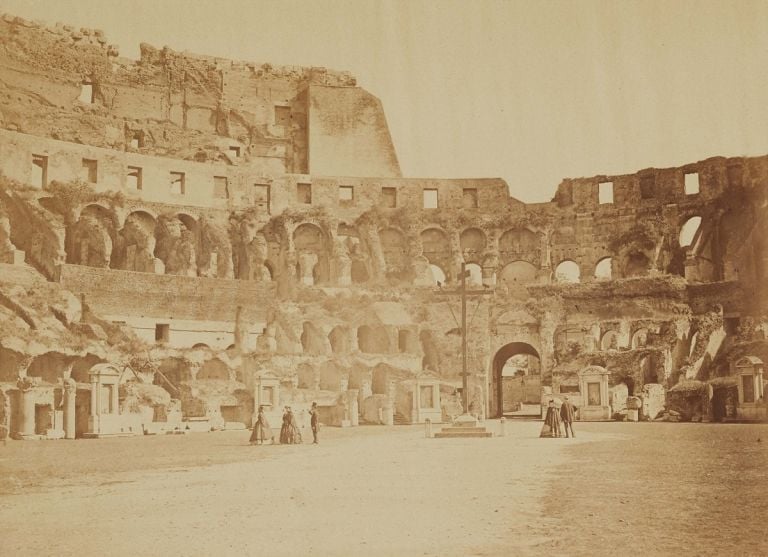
column 531, row 92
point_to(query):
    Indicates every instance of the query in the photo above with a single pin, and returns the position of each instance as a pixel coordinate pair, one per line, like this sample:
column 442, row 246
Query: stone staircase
column 463, row 426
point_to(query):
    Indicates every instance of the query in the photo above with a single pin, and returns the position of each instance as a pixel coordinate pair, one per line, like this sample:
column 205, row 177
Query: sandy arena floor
column 618, row 489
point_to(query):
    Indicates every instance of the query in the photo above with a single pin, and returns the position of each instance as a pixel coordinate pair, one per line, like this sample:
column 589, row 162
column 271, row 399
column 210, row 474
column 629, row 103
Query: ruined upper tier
column 71, row 85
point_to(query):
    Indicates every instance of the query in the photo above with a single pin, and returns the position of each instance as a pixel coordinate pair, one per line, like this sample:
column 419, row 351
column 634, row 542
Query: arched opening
column 407, row 341
column 639, row 339
column 518, row 273
column 372, row 340
column 201, row 346
column 393, row 248
column 475, row 277
column 10, row 362
column 688, row 231
column 567, row 271
column 636, row 264
column 435, row 245
column 359, row 272
column 309, row 241
column 517, row 380
column 438, row 275
column 313, row 341
column 610, row 341
column 136, row 250
column 603, row 269
column 472, row 243
column 90, row 240
column 49, row 367
column 520, row 244
column 339, row 340
column 213, row 369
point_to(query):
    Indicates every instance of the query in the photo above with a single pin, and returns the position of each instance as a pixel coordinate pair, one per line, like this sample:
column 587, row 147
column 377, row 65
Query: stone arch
column 311, row 246
column 472, row 242
column 213, row 369
column 135, row 248
column 603, row 269
column 308, row 376
column 82, row 366
column 177, row 244
column 636, row 263
column 639, row 338
column 518, row 273
column 49, row 367
column 338, row 338
column 689, row 231
column 394, row 249
column 10, row 364
column 407, row 341
column 200, row 346
column 475, row 277
column 90, row 240
column 438, row 274
column 520, row 244
column 568, row 271
column 313, row 341
column 510, row 393
column 609, row 341
column 430, row 349
column 373, row 339
column 436, row 247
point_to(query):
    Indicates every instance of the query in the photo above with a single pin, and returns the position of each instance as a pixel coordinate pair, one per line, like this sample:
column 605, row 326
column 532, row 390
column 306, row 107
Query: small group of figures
column 559, row 420
column 290, row 432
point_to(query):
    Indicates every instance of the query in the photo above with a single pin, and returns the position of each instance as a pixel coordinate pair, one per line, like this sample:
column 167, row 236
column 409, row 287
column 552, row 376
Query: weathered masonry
column 185, row 238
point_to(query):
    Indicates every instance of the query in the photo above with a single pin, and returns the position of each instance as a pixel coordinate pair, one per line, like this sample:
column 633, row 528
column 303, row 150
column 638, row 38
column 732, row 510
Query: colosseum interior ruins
column 185, row 238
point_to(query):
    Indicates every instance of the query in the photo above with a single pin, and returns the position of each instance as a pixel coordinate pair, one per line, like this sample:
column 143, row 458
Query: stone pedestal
column 13, row 257
column 352, row 406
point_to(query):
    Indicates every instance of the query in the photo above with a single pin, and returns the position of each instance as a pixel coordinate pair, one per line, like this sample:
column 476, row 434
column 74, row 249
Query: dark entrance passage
column 516, row 380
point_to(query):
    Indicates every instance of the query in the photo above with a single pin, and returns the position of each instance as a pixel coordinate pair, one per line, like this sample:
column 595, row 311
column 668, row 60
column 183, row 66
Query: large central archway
column 516, row 379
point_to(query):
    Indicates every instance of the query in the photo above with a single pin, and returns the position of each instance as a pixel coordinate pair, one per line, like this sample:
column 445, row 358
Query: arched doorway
column 517, row 380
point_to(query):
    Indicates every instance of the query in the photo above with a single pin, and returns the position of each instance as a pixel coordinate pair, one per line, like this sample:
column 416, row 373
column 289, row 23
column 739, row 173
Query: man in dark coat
column 314, row 422
column 568, row 414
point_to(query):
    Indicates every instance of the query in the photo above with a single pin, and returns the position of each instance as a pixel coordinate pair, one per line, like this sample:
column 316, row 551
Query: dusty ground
column 643, row 489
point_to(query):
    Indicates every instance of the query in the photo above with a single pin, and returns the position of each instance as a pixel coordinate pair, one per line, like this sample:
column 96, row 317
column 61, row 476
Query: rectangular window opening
column 90, row 171
column 430, row 199
column 220, row 187
column 389, row 197
column 469, row 198
column 691, row 183
column 283, row 115
column 86, row 93
column 39, row 170
column 178, row 185
column 137, row 140
column 647, row 187
column 346, row 193
column 261, row 195
column 605, row 192
column 162, row 332
column 234, row 150
column 133, row 178
column 304, row 193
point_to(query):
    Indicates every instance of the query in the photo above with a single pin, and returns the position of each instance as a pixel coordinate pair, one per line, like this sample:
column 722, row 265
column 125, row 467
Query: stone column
column 95, row 409
column 26, row 409
column 354, row 409
column 70, row 392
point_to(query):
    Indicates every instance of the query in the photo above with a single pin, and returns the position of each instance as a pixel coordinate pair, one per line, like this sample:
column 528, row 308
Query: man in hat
column 568, row 414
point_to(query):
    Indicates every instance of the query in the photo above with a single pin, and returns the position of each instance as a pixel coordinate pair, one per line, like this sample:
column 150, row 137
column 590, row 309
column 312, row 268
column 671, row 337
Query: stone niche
column 751, row 405
column 105, row 419
column 266, row 393
column 418, row 400
column 593, row 385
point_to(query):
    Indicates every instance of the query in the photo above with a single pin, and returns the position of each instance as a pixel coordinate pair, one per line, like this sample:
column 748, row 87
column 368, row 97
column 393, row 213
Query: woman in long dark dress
column 295, row 431
column 261, row 429
column 286, row 432
column 551, row 427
